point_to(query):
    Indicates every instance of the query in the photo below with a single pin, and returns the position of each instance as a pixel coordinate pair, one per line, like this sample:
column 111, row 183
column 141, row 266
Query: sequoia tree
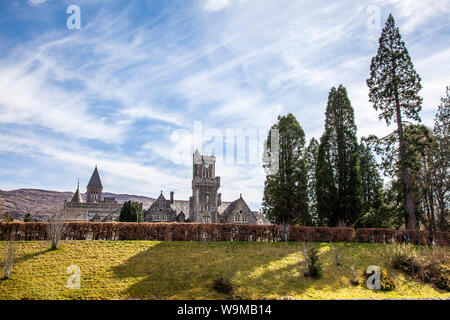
column 337, row 176
column 394, row 86
column 285, row 190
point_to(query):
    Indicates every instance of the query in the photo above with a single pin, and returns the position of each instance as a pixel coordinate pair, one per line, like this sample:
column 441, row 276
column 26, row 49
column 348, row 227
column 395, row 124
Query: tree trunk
column 408, row 196
column 285, row 229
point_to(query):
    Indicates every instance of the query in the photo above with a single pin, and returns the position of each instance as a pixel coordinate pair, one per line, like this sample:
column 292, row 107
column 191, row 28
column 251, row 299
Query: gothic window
column 206, row 220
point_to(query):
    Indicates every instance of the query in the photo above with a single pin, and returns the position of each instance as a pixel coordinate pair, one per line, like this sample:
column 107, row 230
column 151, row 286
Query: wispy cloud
column 118, row 90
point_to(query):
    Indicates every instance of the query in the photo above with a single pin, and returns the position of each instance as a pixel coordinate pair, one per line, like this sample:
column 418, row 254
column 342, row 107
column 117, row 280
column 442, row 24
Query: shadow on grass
column 29, row 256
column 187, row 270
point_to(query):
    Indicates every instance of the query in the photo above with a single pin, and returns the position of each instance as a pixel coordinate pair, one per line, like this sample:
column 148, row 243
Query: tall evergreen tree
column 285, row 199
column 371, row 181
column 311, row 163
column 131, row 211
column 394, row 86
column 337, row 176
column 441, row 164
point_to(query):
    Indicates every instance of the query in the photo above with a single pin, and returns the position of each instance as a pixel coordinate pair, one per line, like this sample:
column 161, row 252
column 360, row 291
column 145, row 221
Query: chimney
column 171, row 197
column 219, row 199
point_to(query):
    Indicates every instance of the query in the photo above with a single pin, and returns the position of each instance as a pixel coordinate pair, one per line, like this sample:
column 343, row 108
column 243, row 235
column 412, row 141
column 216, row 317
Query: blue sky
column 125, row 91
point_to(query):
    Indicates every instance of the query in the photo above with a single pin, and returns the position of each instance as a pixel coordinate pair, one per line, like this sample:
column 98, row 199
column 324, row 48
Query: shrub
column 28, row 218
column 387, row 283
column 313, row 265
column 338, row 255
column 223, row 285
column 403, row 256
column 444, row 279
column 355, row 277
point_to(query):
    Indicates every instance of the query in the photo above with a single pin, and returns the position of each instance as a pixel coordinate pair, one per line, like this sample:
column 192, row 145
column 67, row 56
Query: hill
column 187, row 270
column 40, row 202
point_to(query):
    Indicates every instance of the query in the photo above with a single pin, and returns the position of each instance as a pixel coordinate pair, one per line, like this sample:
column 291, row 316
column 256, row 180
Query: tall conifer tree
column 285, row 199
column 394, row 86
column 337, row 176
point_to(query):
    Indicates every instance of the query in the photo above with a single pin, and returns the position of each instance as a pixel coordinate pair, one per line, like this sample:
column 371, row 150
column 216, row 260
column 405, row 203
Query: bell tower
column 205, row 184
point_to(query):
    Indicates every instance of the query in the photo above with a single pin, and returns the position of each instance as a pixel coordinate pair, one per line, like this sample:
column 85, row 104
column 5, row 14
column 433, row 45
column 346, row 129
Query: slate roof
column 95, row 181
column 233, row 205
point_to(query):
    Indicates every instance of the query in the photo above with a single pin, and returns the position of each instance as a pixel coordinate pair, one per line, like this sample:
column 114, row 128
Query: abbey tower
column 204, row 201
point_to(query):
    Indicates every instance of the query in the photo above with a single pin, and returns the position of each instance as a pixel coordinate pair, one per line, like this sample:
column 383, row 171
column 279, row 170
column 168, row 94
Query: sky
column 141, row 84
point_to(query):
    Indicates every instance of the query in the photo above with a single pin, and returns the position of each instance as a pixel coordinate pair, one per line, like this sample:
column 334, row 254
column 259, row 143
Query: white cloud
column 215, row 5
column 36, row 2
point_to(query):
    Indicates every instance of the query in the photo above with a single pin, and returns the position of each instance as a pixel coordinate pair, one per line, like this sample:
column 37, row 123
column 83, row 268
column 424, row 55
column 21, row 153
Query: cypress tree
column 285, row 199
column 394, row 86
column 311, row 163
column 337, row 176
column 371, row 181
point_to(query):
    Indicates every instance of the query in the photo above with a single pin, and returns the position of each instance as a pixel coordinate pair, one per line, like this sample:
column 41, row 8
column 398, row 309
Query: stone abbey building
column 96, row 208
column 205, row 205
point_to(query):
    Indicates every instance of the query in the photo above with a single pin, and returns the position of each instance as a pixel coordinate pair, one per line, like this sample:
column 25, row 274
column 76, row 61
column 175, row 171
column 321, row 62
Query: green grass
column 186, row 270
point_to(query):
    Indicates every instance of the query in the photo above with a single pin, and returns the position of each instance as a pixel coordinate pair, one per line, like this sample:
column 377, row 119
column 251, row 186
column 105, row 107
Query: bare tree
column 57, row 226
column 9, row 259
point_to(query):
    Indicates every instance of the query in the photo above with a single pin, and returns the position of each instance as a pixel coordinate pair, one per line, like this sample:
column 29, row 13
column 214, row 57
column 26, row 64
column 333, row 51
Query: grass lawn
column 186, row 270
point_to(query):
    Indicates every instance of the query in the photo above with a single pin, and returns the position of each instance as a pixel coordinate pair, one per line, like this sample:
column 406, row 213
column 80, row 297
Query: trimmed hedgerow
column 419, row 237
column 212, row 232
column 320, row 234
column 143, row 231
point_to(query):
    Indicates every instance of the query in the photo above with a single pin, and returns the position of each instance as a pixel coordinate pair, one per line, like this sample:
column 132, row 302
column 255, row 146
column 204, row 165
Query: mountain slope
column 40, row 202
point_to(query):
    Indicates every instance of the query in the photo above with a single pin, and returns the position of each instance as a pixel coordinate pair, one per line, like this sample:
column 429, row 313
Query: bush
column 387, row 283
column 313, row 265
column 403, row 256
column 431, row 266
column 223, row 285
column 355, row 277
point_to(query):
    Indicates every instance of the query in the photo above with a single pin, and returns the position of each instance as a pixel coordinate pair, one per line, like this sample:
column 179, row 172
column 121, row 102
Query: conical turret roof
column 95, row 181
column 77, row 198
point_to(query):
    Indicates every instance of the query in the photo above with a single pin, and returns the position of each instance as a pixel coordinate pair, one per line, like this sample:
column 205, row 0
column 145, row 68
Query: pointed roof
column 95, row 181
column 161, row 202
column 77, row 198
column 233, row 205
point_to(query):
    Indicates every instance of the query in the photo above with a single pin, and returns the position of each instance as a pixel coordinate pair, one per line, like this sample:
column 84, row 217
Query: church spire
column 77, row 198
column 95, row 181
